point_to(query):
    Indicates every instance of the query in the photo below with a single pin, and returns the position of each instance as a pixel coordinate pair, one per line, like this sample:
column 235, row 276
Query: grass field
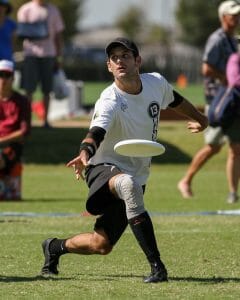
column 201, row 251
column 92, row 90
column 193, row 92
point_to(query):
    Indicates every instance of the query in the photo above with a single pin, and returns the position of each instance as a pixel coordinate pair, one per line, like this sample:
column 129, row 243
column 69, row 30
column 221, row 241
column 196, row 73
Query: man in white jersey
column 127, row 109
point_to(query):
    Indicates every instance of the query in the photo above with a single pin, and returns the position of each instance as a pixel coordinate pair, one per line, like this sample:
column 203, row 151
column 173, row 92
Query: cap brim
column 235, row 11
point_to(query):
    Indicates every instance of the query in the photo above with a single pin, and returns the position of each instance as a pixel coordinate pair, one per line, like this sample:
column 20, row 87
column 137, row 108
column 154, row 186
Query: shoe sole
column 152, row 279
column 156, row 280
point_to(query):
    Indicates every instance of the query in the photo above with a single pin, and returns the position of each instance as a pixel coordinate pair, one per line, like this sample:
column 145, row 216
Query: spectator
column 41, row 54
column 233, row 131
column 14, row 126
column 7, row 31
column 220, row 45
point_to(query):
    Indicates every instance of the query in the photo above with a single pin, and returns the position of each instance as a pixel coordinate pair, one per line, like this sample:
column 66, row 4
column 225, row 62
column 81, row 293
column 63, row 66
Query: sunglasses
column 6, row 75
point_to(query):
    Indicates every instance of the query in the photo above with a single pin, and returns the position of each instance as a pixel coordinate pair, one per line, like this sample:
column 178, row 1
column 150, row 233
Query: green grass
column 194, row 93
column 92, row 91
column 201, row 251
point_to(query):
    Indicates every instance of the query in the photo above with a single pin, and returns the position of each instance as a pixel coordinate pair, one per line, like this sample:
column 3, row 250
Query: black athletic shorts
column 101, row 201
column 112, row 210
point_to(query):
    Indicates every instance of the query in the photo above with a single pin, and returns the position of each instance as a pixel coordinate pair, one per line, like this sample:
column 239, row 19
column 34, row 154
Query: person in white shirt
column 127, row 109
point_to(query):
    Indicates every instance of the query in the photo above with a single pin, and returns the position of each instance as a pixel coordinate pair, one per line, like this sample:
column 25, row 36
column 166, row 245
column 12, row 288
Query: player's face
column 6, row 79
column 232, row 21
column 3, row 11
column 122, row 63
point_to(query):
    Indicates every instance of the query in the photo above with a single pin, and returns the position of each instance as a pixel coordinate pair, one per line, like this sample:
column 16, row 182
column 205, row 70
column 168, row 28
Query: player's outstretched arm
column 198, row 120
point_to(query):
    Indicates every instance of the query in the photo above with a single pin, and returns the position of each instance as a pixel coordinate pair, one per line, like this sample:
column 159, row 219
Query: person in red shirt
column 15, row 115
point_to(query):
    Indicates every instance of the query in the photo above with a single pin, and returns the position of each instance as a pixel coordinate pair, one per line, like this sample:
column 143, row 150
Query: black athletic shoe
column 51, row 260
column 158, row 274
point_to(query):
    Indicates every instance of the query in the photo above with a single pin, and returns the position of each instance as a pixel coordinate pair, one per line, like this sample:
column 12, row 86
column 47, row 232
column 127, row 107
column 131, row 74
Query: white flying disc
column 139, row 148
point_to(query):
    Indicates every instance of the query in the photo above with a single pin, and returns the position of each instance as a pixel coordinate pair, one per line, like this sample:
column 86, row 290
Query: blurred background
column 171, row 34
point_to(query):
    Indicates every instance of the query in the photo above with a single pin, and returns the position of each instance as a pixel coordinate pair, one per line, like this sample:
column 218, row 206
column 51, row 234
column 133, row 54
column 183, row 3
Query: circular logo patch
column 153, row 109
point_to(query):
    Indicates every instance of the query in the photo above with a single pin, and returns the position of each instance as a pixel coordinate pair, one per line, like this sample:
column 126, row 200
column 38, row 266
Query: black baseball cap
column 130, row 45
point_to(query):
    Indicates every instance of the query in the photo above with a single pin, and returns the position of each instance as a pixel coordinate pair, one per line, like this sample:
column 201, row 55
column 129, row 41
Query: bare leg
column 233, row 167
column 200, row 158
column 89, row 243
column 96, row 242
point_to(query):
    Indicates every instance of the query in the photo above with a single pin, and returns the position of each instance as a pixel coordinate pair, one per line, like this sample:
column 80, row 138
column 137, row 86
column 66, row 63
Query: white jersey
column 127, row 116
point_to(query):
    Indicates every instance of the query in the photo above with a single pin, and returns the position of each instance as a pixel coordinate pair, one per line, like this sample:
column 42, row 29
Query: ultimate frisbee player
column 127, row 109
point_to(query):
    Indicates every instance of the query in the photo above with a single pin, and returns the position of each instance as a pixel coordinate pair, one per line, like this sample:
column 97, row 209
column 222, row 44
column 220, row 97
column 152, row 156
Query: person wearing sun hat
column 7, row 31
column 229, row 7
column 6, row 66
column 14, row 126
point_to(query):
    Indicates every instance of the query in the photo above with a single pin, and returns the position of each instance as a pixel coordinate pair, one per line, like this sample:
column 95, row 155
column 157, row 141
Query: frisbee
column 139, row 148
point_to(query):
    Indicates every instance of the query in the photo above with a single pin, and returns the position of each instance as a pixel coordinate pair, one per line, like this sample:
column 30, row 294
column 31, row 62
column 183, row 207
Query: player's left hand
column 195, row 127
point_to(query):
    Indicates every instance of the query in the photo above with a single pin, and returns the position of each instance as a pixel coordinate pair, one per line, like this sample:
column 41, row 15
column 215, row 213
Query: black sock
column 143, row 231
column 58, row 247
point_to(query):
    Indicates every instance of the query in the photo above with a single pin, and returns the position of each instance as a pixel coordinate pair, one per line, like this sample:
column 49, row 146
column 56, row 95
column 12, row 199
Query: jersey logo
column 124, row 107
column 153, row 111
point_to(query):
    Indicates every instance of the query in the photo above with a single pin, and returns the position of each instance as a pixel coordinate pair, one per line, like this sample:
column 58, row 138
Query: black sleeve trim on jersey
column 97, row 134
column 177, row 99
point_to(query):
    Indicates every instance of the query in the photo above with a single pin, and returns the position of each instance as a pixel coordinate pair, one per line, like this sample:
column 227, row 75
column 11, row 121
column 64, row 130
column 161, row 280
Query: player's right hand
column 79, row 163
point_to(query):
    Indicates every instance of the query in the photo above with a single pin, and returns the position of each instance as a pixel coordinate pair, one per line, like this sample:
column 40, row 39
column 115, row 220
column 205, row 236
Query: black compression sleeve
column 97, row 134
column 177, row 99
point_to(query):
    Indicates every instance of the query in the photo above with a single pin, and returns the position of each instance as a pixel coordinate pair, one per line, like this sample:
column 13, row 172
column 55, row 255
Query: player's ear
column 109, row 66
column 139, row 60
